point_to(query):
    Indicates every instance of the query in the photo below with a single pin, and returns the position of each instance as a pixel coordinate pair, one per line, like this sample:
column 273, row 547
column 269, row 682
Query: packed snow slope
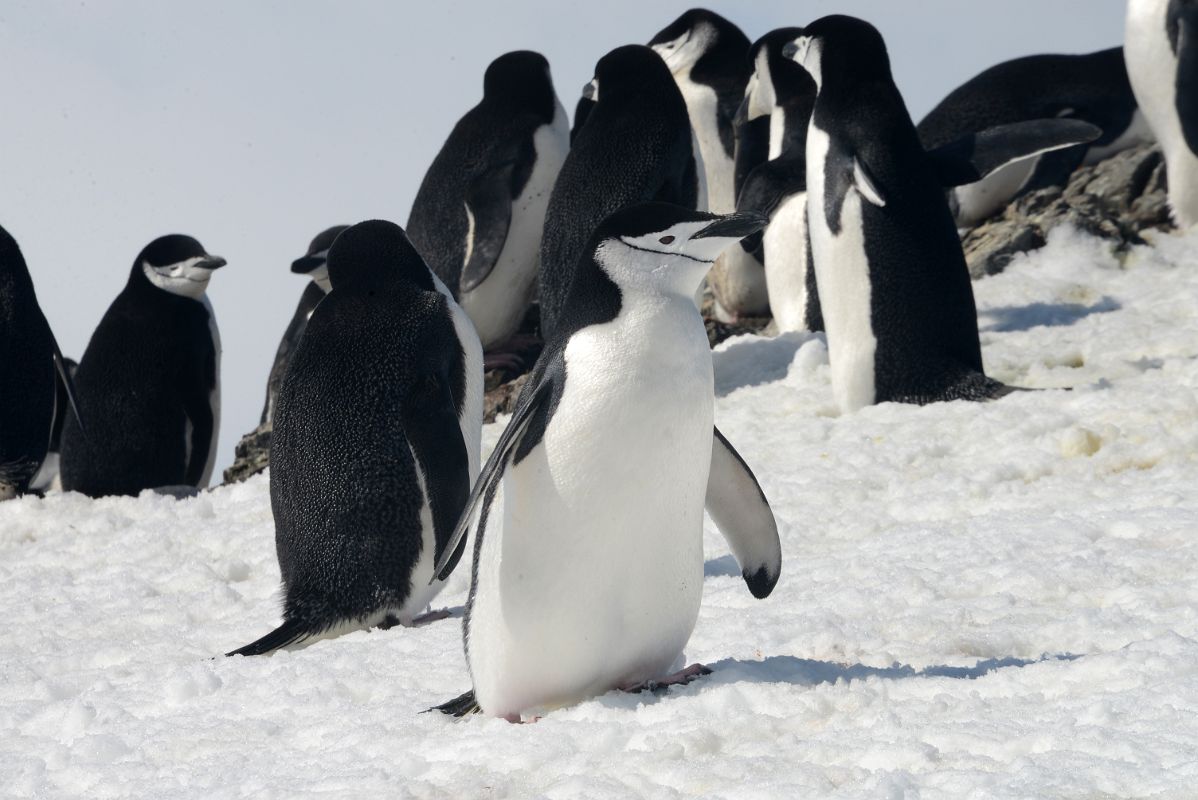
column 977, row 600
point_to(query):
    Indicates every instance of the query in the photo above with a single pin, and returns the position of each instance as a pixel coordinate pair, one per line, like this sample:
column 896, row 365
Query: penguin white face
column 682, row 53
column 186, row 278
column 760, row 90
column 320, row 273
column 591, row 90
column 806, row 51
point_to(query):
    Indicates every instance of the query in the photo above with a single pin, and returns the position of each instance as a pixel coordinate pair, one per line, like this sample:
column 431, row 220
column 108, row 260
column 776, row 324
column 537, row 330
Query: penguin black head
column 626, row 70
column 842, row 50
column 520, row 80
column 776, row 81
column 667, row 247
column 692, row 36
column 176, row 264
column 12, row 263
column 375, row 253
column 314, row 263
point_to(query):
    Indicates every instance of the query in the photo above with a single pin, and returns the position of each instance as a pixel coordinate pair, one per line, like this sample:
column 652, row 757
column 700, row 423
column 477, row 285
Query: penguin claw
column 432, row 616
column 680, row 678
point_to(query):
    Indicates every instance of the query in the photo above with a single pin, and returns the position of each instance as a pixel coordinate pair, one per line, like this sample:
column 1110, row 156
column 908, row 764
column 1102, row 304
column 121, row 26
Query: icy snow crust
column 992, row 600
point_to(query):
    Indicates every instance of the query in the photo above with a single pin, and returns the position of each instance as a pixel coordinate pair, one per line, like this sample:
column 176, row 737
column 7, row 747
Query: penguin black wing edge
column 742, row 513
column 974, row 156
column 68, row 383
column 1187, row 69
column 489, row 201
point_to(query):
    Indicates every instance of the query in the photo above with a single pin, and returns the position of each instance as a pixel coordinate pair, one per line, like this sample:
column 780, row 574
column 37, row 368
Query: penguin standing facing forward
column 375, row 443
column 708, row 57
column 314, row 265
column 149, row 381
column 31, row 371
column 894, row 288
column 635, row 146
column 588, row 558
column 1161, row 47
column 478, row 216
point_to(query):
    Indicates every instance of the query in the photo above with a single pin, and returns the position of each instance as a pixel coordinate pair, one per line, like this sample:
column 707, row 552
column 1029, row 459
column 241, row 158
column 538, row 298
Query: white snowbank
column 993, row 600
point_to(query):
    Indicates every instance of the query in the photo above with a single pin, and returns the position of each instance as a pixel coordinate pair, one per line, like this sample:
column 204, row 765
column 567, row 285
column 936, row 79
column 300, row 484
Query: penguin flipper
column 488, row 481
column 742, row 513
column 769, row 184
column 975, row 155
column 68, row 383
column 289, row 633
column 459, row 706
column 489, row 206
column 1187, row 71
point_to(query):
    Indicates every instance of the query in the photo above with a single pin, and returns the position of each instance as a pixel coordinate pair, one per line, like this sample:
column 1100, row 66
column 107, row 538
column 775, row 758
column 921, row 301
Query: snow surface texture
column 993, row 600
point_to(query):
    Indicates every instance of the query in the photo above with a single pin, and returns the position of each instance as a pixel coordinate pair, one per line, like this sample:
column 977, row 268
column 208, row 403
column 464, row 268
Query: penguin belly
column 785, row 244
column 593, row 578
column 497, row 305
column 842, row 275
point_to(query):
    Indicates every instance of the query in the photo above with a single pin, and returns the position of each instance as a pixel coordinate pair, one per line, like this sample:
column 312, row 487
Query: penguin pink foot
column 679, row 678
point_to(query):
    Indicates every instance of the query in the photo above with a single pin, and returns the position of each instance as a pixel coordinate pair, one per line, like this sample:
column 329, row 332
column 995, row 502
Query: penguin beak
column 591, row 91
column 734, row 226
column 742, row 113
column 211, row 262
column 306, row 264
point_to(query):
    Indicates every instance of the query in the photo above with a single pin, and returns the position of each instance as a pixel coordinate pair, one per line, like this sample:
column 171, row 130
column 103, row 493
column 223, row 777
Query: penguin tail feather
column 289, row 633
column 459, row 706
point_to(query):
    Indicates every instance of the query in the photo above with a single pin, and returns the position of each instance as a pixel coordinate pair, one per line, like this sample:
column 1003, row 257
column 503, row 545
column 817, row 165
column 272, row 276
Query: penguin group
column 785, row 175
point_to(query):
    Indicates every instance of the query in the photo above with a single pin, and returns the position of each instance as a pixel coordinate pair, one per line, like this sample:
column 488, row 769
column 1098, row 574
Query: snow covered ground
column 993, row 600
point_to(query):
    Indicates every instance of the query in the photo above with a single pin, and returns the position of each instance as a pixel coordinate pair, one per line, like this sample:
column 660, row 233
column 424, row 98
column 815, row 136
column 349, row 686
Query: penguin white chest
column 213, row 398
column 785, row 244
column 842, row 275
column 702, row 106
column 593, row 578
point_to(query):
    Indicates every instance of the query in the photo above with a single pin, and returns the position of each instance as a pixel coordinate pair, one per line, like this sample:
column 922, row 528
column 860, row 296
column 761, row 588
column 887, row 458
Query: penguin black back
column 634, row 147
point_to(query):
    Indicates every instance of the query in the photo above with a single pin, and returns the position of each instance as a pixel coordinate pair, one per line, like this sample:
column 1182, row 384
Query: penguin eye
column 666, row 240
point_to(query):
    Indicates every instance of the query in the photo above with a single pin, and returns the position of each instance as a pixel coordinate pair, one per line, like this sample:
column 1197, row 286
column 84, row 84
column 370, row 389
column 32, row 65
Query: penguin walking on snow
column 708, row 57
column 635, row 146
column 478, row 216
column 375, row 443
column 1092, row 87
column 894, row 288
column 313, row 264
column 31, row 371
column 1161, row 47
column 588, row 518
column 149, row 380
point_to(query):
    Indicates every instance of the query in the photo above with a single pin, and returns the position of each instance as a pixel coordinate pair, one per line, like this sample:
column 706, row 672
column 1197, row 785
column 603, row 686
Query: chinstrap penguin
column 313, row 264
column 894, row 288
column 588, row 517
column 478, row 216
column 1161, row 47
column 636, row 146
column 149, row 380
column 375, row 443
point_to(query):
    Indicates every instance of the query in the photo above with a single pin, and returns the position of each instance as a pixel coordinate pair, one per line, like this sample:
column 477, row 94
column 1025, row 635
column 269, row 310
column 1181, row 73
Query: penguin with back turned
column 1161, row 47
column 149, row 380
column 1093, row 87
column 33, row 375
column 313, row 264
column 370, row 462
column 894, row 288
column 480, row 210
column 636, row 145
column 588, row 518
column 708, row 57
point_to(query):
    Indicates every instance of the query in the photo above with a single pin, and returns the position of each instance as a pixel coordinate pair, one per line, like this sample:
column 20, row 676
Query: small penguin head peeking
column 667, row 248
column 177, row 264
column 775, row 80
column 684, row 41
column 844, row 49
column 375, row 253
column 314, row 263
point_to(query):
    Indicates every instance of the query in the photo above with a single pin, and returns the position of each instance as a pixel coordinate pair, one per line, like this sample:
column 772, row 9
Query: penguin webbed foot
column 680, row 678
column 461, row 706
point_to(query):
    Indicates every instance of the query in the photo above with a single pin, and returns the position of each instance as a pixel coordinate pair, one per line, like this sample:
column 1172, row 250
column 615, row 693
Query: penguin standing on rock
column 478, row 216
column 708, row 57
column 375, row 443
column 149, row 381
column 313, row 264
column 635, row 146
column 1161, row 47
column 1092, row 87
column 31, row 371
column 894, row 288
column 588, row 518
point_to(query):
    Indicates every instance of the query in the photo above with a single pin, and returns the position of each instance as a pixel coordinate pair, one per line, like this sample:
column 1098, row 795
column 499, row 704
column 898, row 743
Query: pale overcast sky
column 254, row 125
